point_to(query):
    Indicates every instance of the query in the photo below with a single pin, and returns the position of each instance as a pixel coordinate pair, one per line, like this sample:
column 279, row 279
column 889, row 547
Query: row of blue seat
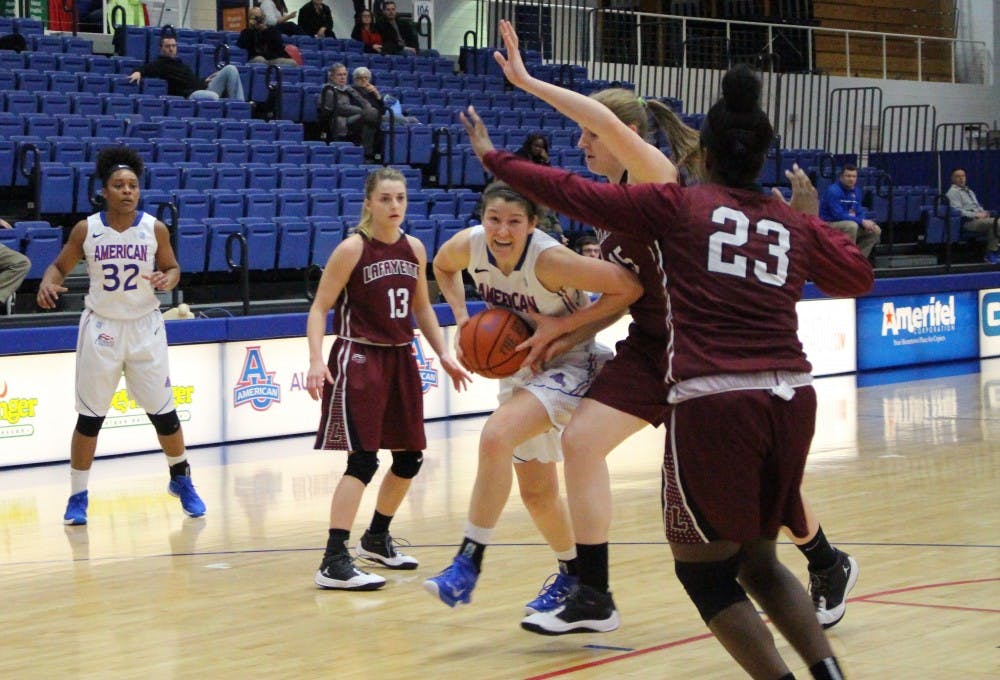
column 59, row 44
column 25, row 26
column 23, row 110
column 285, row 243
column 38, row 240
column 69, row 62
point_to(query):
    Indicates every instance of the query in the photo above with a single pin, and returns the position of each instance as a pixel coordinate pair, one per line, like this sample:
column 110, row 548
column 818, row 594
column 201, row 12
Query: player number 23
column 729, row 261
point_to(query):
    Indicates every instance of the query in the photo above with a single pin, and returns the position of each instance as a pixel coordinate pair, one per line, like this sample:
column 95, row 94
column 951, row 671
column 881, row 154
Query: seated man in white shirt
column 974, row 216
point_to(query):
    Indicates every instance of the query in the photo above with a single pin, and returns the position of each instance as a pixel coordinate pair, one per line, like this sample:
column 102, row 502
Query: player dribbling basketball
column 518, row 267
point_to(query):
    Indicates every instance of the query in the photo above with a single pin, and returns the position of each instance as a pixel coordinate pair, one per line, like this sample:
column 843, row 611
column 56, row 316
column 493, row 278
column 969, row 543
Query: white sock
column 566, row 555
column 174, row 460
column 78, row 480
column 480, row 535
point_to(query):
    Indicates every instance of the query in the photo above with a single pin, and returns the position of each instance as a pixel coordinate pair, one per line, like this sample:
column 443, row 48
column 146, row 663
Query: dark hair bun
column 741, row 90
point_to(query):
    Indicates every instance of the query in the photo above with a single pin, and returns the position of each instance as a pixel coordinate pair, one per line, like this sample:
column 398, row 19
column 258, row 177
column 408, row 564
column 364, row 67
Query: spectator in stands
column 366, row 32
column 398, row 37
column 361, row 81
column 277, row 16
column 587, row 245
column 263, row 43
column 316, row 19
column 183, row 82
column 535, row 148
column 841, row 208
column 974, row 216
column 344, row 113
column 13, row 268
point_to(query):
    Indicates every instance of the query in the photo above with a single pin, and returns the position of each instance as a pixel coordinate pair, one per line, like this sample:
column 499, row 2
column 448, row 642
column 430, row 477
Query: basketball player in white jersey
column 128, row 257
column 518, row 267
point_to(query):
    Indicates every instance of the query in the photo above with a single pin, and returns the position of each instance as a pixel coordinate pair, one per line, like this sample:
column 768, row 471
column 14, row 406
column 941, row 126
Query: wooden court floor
column 904, row 475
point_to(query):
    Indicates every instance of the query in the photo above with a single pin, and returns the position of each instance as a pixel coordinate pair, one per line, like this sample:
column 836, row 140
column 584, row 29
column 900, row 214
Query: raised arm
column 644, row 162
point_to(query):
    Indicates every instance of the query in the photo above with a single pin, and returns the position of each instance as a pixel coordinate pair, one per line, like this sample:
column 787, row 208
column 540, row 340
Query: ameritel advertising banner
column 915, row 329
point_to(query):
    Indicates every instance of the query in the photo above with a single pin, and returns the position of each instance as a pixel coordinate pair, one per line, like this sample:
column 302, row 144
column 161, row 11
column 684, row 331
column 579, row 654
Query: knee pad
column 362, row 465
column 712, row 586
column 165, row 424
column 406, row 464
column 89, row 426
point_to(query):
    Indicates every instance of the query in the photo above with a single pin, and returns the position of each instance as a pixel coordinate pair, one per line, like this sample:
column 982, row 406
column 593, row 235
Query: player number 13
column 773, row 272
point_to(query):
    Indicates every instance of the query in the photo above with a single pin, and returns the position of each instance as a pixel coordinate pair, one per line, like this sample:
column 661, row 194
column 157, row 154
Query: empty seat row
column 68, row 61
column 39, row 240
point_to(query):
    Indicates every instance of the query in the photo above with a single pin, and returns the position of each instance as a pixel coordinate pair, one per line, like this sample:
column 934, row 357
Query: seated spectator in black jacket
column 398, row 37
column 182, row 81
column 316, row 19
column 263, row 43
column 371, row 135
column 347, row 115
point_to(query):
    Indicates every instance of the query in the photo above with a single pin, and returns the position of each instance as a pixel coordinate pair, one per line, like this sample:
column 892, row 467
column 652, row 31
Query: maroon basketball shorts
column 632, row 382
column 733, row 464
column 375, row 401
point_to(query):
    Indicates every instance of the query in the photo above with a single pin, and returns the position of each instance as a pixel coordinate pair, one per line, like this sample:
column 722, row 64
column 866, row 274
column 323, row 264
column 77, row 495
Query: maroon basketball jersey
column 737, row 261
column 375, row 304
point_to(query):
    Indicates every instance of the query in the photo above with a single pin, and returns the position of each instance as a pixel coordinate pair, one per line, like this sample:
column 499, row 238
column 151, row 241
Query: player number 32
column 774, row 272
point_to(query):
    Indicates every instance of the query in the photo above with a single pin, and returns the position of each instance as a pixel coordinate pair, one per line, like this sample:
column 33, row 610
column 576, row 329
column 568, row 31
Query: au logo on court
column 256, row 385
column 428, row 375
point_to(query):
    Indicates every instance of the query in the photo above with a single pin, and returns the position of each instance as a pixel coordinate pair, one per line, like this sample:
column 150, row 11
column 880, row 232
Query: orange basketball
column 489, row 340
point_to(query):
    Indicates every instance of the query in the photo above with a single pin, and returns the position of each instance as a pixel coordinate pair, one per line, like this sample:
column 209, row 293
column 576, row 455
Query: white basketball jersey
column 117, row 263
column 520, row 292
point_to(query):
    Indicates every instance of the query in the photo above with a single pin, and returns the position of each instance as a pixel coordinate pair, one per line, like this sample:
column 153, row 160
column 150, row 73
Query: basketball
column 489, row 340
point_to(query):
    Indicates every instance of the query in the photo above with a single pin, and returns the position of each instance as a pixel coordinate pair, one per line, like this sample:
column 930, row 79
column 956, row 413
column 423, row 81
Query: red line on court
column 619, row 657
column 704, row 636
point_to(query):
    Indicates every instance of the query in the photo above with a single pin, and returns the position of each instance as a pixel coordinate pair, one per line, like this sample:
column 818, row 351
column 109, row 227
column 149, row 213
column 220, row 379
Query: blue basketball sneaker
column 182, row 487
column 76, row 509
column 454, row 585
column 553, row 594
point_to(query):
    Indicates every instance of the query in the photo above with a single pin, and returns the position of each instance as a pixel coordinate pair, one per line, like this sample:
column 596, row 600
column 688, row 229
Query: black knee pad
column 165, row 424
column 406, row 464
column 89, row 426
column 712, row 586
column 362, row 465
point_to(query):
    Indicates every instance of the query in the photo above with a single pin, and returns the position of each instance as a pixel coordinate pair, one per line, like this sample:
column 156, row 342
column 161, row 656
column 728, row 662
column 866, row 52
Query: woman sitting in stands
column 364, row 31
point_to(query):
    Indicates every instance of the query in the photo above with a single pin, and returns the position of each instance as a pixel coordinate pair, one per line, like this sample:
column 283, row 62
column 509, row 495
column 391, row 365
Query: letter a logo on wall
column 428, row 375
column 256, row 386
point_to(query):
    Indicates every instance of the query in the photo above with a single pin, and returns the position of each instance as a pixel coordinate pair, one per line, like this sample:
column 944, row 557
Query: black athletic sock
column 827, row 669
column 592, row 561
column 819, row 552
column 474, row 551
column 380, row 523
column 570, row 567
column 336, row 542
column 182, row 469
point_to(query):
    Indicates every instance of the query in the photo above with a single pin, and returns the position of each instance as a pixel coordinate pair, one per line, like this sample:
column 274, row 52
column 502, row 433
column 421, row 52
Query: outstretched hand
column 512, row 65
column 479, row 136
column 805, row 198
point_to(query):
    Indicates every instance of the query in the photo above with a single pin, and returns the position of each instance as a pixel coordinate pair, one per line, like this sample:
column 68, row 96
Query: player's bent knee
column 89, row 426
column 165, row 424
column 362, row 465
column 712, row 586
column 406, row 464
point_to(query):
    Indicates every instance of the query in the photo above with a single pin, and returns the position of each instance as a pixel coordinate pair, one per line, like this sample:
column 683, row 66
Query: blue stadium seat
column 327, row 235
column 169, row 150
column 396, row 147
column 350, row 154
column 323, row 203
column 292, row 203
column 262, row 245
column 444, row 203
column 154, row 87
column 201, row 178
column 291, row 152
column 11, row 124
column 227, row 204
column 261, row 176
column 190, row 247
column 426, row 231
column 259, row 204
column 235, row 153
column 201, row 128
column 218, row 234
column 148, row 106
column 261, row 131
column 293, row 245
column 211, row 109
column 353, row 178
column 237, row 110
column 321, row 176
column 191, row 204
column 42, row 245
column 263, row 152
column 229, row 177
column 201, row 152
column 84, row 104
column 67, row 150
column 447, row 229
column 55, row 188
column 233, row 130
column 292, row 177
column 350, row 206
column 41, row 125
